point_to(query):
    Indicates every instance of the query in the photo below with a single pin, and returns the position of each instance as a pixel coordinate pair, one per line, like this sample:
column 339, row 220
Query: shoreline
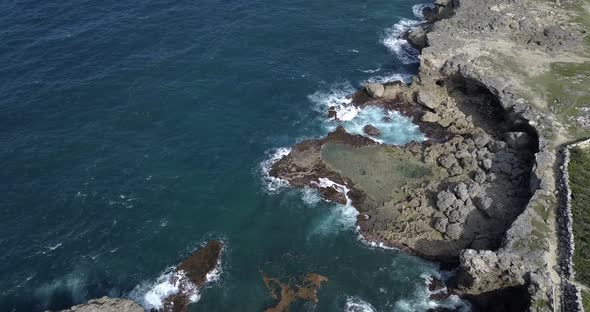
column 522, row 259
column 512, row 152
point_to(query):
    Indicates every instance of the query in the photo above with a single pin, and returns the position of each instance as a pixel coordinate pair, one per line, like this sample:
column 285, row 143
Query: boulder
column 455, row 170
column 454, row 216
column 483, row 203
column 447, row 160
column 454, row 231
column 375, row 90
column 332, row 114
column 487, row 163
column 429, row 14
column 440, row 224
column 481, row 139
column 430, row 117
column 427, row 99
column 417, row 37
column 371, row 131
column 444, row 200
column 480, row 176
column 461, row 191
column 496, row 146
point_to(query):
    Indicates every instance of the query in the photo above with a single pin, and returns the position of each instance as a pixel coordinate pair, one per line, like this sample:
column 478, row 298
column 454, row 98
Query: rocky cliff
column 481, row 192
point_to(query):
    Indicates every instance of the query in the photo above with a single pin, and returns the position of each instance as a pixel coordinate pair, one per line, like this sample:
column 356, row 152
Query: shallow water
column 131, row 132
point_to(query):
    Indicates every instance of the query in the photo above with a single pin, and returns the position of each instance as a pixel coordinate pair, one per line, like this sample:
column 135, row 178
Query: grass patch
column 565, row 89
column 579, row 174
column 586, row 300
column 380, row 171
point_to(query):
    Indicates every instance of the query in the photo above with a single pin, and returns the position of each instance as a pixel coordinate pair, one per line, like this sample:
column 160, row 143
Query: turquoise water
column 133, row 131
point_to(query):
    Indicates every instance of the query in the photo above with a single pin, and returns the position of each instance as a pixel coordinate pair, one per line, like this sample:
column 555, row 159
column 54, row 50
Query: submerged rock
column 372, row 131
column 304, row 289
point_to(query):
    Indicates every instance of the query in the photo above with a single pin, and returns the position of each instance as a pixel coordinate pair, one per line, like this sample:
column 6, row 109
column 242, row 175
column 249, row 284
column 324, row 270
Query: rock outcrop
column 106, row 304
column 191, row 274
column 488, row 202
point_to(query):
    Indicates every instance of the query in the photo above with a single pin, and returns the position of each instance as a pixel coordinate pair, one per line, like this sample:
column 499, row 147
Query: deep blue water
column 133, row 131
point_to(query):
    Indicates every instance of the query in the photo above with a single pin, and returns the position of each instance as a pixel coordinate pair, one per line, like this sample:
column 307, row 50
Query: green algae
column 382, row 172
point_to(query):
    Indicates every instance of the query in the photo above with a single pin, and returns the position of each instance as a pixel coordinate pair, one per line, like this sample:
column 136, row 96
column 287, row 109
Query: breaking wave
column 394, row 128
column 354, row 304
column 152, row 295
column 272, row 184
column 421, row 301
column 393, row 36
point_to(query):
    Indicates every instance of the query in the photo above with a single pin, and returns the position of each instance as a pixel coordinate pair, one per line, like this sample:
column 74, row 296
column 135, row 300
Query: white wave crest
column 418, row 9
column 169, row 284
column 405, row 78
column 273, row 184
column 395, row 128
column 393, row 40
column 337, row 97
column 327, row 183
column 370, row 71
column 421, row 300
column 354, row 304
column 152, row 295
column 340, row 217
column 372, row 244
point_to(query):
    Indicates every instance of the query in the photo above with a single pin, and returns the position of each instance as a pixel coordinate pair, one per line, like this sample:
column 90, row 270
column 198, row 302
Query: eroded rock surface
column 490, row 159
column 191, row 275
column 106, row 304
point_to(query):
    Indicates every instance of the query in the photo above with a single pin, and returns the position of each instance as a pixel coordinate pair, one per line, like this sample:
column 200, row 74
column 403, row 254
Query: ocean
column 131, row 132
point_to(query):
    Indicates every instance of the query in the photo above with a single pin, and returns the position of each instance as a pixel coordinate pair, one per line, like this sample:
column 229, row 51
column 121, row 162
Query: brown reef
column 191, row 274
column 304, row 288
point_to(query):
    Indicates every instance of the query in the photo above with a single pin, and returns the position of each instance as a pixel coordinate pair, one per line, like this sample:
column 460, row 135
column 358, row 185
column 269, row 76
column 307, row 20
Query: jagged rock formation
column 489, row 198
column 106, row 304
column 191, row 275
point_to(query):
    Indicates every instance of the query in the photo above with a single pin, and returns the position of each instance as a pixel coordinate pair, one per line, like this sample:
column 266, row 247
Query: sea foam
column 395, row 128
column 354, row 304
column 399, row 46
column 272, row 184
column 151, row 295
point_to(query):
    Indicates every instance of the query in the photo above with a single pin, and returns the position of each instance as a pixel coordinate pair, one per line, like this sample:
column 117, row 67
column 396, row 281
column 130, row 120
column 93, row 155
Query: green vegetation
column 565, row 89
column 579, row 174
column 381, row 171
column 586, row 300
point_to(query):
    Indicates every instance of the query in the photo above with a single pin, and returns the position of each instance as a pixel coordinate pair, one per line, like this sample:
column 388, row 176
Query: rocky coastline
column 482, row 194
column 488, row 202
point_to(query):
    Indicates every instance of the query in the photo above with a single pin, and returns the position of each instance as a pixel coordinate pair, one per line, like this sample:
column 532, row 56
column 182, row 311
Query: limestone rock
column 430, row 117
column 106, row 304
column 454, row 230
column 444, row 200
column 417, row 37
column 427, row 99
column 461, row 191
column 447, row 160
column 483, row 203
column 375, row 90
column 455, row 170
column 440, row 224
column 481, row 139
